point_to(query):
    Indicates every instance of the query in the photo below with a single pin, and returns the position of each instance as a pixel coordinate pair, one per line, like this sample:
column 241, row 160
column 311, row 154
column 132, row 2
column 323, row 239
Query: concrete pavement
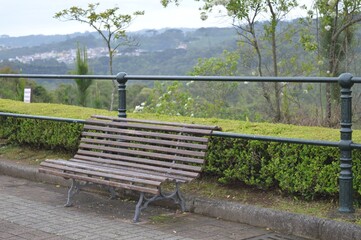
column 31, row 210
column 243, row 221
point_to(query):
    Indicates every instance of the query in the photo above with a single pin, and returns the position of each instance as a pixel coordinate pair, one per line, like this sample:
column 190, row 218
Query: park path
column 31, row 210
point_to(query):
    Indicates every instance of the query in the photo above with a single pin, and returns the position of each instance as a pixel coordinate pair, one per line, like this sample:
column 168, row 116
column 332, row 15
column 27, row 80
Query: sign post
column 27, row 95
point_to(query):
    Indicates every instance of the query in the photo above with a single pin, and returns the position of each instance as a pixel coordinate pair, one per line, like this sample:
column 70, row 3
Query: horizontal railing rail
column 127, row 77
column 214, row 134
column 346, row 81
column 56, row 119
column 58, row 77
column 238, row 79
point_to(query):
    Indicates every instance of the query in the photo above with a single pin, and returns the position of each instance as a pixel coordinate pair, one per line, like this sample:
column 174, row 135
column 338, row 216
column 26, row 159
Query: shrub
column 44, row 133
column 305, row 170
column 41, row 133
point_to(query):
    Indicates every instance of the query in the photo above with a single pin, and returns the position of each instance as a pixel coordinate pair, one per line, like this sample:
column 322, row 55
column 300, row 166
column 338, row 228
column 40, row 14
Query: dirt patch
column 29, row 155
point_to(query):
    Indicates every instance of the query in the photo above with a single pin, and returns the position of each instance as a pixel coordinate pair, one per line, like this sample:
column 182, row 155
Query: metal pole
column 122, row 110
column 345, row 178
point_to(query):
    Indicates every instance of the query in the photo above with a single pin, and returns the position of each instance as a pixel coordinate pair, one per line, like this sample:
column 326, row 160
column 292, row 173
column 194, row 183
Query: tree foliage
column 332, row 39
column 13, row 88
column 170, row 98
column 110, row 24
column 336, row 28
column 245, row 15
column 215, row 97
column 82, row 68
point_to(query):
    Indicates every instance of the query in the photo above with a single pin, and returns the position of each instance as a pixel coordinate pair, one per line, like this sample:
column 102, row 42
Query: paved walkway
column 30, row 210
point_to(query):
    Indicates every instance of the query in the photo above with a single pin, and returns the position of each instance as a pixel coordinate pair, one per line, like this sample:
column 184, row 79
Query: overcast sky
column 28, row 17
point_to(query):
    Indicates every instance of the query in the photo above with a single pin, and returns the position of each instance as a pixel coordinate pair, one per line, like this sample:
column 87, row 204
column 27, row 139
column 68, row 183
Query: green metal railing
column 346, row 81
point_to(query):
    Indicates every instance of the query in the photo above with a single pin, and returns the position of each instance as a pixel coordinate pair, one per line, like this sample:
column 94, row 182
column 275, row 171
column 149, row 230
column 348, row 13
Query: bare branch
column 345, row 26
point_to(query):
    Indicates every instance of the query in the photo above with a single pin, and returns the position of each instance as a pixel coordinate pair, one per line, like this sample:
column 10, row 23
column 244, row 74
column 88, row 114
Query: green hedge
column 309, row 171
column 298, row 169
column 40, row 133
column 43, row 133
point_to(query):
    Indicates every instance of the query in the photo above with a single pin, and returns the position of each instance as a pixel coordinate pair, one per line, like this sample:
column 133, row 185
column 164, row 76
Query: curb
column 288, row 223
column 284, row 222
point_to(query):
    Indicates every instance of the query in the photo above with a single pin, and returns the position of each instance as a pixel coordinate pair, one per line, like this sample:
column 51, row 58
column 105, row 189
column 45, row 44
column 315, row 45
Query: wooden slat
column 122, row 161
column 174, row 168
column 99, row 172
column 147, row 134
column 134, row 161
column 144, row 147
column 157, row 122
column 101, row 181
column 124, row 175
column 146, row 140
column 169, row 175
column 149, row 127
column 141, row 153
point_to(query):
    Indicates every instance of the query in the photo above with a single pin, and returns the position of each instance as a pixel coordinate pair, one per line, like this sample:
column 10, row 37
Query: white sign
column 27, row 95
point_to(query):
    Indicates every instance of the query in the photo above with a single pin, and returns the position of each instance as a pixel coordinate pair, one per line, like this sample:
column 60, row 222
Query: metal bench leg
column 179, row 198
column 138, row 208
column 74, row 189
column 113, row 193
column 143, row 201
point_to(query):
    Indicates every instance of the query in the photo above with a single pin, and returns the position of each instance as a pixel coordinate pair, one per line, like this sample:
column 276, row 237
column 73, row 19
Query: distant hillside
column 149, row 41
column 166, row 51
column 35, row 40
column 68, row 42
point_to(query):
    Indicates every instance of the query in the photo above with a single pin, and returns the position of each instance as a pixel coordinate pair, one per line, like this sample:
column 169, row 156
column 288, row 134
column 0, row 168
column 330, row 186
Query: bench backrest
column 174, row 150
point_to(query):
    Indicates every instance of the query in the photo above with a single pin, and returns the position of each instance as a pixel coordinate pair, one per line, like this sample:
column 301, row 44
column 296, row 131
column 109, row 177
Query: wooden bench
column 134, row 154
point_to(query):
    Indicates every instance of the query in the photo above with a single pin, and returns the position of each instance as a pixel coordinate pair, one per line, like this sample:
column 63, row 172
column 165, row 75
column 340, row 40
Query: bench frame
column 137, row 155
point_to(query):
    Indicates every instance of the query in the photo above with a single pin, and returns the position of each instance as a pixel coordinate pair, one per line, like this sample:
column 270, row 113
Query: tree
column 171, row 98
column 215, row 95
column 111, row 26
column 245, row 14
column 12, row 88
column 39, row 94
column 65, row 94
column 82, row 68
column 336, row 28
column 137, row 94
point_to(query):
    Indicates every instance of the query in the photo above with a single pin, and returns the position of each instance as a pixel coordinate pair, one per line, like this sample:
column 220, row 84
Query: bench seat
column 134, row 154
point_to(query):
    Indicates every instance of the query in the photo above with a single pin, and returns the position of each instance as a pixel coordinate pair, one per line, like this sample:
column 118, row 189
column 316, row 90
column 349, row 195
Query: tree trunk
column 328, row 104
column 332, row 71
column 264, row 86
column 277, row 88
column 114, row 87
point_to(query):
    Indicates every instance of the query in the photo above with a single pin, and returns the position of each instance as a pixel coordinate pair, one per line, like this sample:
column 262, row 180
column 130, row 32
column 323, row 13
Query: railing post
column 122, row 109
column 345, row 178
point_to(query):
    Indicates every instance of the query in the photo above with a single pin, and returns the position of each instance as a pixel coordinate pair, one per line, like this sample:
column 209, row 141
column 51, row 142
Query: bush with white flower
column 170, row 98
